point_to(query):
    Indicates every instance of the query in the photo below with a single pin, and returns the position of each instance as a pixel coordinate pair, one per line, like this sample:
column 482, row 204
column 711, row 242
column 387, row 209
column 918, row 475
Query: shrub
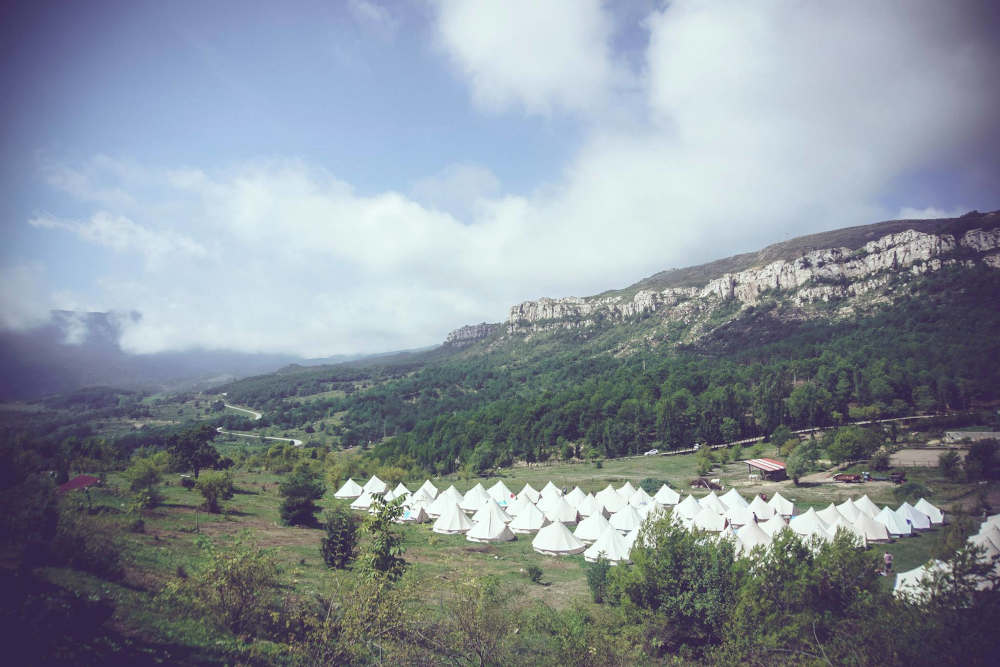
column 187, row 482
column 651, row 485
column 781, row 435
column 948, row 464
column 299, row 490
column 597, row 578
column 880, row 460
column 982, row 462
column 679, row 586
column 144, row 481
column 789, row 446
column 852, row 443
column 235, row 587
column 383, row 551
column 87, row 542
column 910, row 491
column 341, row 538
column 215, row 486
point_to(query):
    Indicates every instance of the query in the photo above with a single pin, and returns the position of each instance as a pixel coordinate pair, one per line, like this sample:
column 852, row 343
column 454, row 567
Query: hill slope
column 903, row 323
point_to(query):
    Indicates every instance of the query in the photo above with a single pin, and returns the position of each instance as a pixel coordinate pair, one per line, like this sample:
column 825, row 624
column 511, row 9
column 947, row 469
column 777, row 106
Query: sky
column 360, row 176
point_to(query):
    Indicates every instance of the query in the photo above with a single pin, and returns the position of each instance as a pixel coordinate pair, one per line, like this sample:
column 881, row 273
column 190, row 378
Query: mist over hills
column 76, row 349
column 80, row 349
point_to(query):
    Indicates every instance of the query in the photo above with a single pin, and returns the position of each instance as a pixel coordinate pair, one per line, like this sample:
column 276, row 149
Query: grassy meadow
column 168, row 545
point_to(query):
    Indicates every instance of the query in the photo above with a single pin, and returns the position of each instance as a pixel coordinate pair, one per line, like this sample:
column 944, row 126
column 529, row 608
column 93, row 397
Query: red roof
column 78, row 482
column 767, row 465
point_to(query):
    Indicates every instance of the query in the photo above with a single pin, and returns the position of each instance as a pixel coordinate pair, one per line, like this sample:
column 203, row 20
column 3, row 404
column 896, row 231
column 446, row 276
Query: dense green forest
column 562, row 396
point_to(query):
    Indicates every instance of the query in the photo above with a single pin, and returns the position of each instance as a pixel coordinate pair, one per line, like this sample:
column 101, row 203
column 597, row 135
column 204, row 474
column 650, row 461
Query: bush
column 651, row 485
column 87, row 543
column 880, row 460
column 789, row 446
column 300, row 489
column 852, row 443
column 187, row 482
column 982, row 462
column 949, row 464
column 680, row 586
column 235, row 587
column 341, row 539
column 144, row 481
column 910, row 491
column 382, row 553
column 597, row 578
column 214, row 487
column 534, row 574
column 781, row 435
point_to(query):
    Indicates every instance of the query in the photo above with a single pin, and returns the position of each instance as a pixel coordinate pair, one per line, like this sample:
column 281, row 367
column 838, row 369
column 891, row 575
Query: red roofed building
column 78, row 482
column 767, row 468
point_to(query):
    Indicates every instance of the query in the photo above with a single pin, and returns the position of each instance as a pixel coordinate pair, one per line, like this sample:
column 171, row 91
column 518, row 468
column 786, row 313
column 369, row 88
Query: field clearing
column 923, row 457
column 438, row 564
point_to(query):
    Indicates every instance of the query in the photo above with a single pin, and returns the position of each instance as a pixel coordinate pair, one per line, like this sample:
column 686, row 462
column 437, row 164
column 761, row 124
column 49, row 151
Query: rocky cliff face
column 827, row 275
column 470, row 334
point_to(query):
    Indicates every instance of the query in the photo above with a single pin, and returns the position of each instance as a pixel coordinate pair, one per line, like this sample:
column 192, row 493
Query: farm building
column 766, row 468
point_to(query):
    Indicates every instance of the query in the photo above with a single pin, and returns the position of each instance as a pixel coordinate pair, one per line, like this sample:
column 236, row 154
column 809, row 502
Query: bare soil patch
column 925, row 457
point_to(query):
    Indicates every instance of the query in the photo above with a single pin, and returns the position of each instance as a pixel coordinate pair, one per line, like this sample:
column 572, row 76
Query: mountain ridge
column 811, row 266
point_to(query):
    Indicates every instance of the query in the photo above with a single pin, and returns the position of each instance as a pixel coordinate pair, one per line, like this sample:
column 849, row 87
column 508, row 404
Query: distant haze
column 363, row 176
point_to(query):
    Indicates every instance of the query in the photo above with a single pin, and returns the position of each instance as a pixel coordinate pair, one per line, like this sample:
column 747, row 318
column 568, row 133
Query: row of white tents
column 911, row 584
column 608, row 521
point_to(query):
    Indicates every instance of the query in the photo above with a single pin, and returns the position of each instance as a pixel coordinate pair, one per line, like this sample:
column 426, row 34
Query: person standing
column 887, row 564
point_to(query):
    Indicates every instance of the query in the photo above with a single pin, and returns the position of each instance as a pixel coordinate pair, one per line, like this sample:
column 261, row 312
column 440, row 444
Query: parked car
column 651, row 452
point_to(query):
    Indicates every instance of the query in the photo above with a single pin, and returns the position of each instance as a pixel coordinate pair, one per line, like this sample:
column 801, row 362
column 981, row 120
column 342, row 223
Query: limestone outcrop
column 471, row 333
column 825, row 275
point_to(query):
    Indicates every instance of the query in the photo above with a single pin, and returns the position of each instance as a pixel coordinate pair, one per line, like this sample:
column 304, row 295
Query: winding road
column 256, row 416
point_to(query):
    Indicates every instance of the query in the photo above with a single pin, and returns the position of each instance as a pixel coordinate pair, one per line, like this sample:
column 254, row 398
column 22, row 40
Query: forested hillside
column 611, row 392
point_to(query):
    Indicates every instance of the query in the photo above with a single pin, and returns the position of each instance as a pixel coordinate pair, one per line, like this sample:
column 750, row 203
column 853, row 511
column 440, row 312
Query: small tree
column 788, row 446
column 299, row 490
column 982, row 462
column 948, row 464
column 597, row 578
column 781, row 435
column 192, row 449
column 680, row 586
column 910, row 491
column 853, row 443
column 234, row 588
column 706, row 460
column 144, row 481
column 214, row 487
column 880, row 460
column 802, row 459
column 382, row 554
column 341, row 539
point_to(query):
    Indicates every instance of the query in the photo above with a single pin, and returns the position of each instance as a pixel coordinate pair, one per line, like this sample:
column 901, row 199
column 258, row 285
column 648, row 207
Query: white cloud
column 764, row 121
column 125, row 236
column 457, row 189
column 539, row 56
column 930, row 212
column 23, row 299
